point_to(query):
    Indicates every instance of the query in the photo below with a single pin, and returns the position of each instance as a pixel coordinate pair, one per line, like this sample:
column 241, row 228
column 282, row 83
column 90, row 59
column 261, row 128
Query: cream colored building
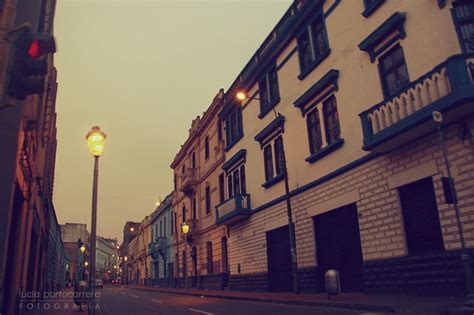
column 355, row 84
column 198, row 190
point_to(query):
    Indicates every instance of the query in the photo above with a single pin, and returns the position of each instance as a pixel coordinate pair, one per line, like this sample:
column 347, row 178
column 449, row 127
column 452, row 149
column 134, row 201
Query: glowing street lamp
column 86, row 263
column 132, row 229
column 83, row 248
column 185, row 230
column 96, row 142
column 243, row 96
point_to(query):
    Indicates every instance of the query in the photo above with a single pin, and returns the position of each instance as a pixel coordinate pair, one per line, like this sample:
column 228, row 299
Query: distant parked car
column 99, row 283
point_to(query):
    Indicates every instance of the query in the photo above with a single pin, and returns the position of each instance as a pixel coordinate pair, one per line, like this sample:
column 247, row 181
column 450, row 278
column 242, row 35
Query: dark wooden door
column 279, row 260
column 338, row 247
column 420, row 217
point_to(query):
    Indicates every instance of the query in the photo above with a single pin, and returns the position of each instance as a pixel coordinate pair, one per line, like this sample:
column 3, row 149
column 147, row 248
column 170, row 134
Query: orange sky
column 141, row 70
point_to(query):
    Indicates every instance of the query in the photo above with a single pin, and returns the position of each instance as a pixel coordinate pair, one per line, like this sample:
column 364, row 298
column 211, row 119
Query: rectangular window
column 236, row 182
column 208, row 199
column 184, row 214
column 393, row 71
column 269, row 91
column 206, row 148
column 172, row 222
column 314, row 131
column 164, row 227
column 194, row 208
column 161, row 228
column 268, row 160
column 313, row 44
column 230, row 188
column 234, row 130
column 221, row 188
column 243, row 187
column 421, row 217
column 219, row 130
column 279, row 156
column 463, row 12
column 331, row 120
column 209, row 258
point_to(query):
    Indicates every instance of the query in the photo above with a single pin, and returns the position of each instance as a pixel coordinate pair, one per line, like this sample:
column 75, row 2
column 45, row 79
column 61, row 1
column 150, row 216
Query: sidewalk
column 358, row 301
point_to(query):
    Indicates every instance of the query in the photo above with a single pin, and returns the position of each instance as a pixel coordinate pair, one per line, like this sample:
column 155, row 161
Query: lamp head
column 125, row 258
column 83, row 248
column 185, row 227
column 96, row 141
column 437, row 116
column 241, row 96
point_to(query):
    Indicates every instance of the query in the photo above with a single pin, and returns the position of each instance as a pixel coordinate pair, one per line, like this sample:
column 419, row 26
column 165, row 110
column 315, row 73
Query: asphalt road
column 117, row 300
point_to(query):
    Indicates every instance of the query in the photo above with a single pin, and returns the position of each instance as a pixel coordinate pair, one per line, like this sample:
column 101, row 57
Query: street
column 117, row 300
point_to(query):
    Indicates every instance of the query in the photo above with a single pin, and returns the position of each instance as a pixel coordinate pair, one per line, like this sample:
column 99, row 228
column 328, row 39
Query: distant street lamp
column 125, row 259
column 242, row 96
column 86, row 263
column 96, row 142
column 132, row 229
column 185, row 229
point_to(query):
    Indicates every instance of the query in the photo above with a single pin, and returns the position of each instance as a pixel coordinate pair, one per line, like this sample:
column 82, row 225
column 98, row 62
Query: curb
column 343, row 305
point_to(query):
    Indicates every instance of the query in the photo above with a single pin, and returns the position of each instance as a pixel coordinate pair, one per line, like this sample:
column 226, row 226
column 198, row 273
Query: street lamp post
column 185, row 229
column 242, row 96
column 125, row 259
column 96, row 142
column 82, row 249
column 465, row 256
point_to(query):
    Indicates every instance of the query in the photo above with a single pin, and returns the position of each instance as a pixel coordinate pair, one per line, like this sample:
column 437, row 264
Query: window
column 209, row 258
column 269, row 91
column 420, row 217
column 184, row 214
column 164, row 226
column 234, row 130
column 463, row 12
column 194, row 208
column 393, row 71
column 206, row 148
column 267, row 157
column 173, row 227
column 208, row 199
column 236, row 182
column 314, row 131
column 331, row 120
column 183, row 169
column 221, row 188
column 279, row 156
column 193, row 160
column 313, row 45
column 219, row 130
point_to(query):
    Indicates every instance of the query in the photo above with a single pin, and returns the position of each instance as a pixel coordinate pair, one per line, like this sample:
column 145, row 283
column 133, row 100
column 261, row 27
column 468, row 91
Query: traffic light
column 29, row 64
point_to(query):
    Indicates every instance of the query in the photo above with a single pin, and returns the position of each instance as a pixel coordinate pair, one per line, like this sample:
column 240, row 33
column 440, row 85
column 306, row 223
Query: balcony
column 447, row 88
column 188, row 180
column 233, row 210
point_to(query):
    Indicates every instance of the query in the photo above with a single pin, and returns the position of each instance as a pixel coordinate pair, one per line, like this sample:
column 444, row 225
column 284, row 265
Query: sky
column 141, row 70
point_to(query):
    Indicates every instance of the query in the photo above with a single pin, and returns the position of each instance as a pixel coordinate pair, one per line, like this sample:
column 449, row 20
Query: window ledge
column 273, row 181
column 230, row 145
column 371, row 9
column 304, row 73
column 325, row 151
column 269, row 108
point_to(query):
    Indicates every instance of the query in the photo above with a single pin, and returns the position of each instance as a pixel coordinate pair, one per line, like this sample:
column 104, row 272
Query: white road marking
column 156, row 301
column 198, row 311
column 135, row 296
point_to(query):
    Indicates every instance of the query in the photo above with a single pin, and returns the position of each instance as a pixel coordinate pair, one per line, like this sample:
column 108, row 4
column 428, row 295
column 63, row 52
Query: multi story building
column 160, row 249
column 131, row 269
column 143, row 257
column 346, row 108
column 28, row 141
column 74, row 235
column 106, row 258
column 56, row 260
column 199, row 184
column 130, row 230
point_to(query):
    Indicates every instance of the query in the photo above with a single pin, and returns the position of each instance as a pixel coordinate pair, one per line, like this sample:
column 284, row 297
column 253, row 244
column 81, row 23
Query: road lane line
column 156, row 301
column 135, row 296
column 198, row 311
